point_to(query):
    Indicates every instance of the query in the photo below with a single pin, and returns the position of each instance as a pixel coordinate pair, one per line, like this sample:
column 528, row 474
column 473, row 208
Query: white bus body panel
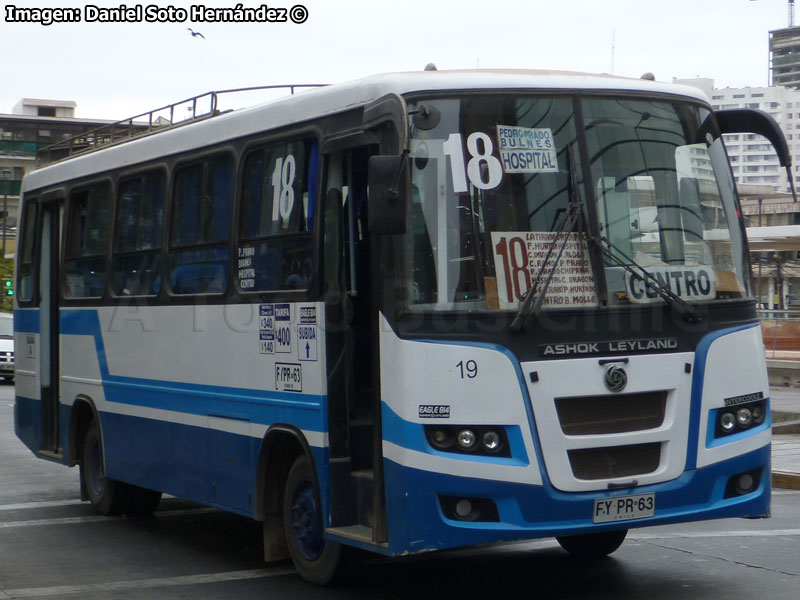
column 415, row 374
column 584, row 377
column 211, row 347
column 735, row 365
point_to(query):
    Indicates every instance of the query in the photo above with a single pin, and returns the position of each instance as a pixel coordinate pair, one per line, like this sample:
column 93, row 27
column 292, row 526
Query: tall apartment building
column 784, row 57
column 752, row 157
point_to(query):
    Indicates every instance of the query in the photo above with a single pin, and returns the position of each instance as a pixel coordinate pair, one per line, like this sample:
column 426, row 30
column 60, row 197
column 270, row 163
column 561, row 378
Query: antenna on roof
column 613, row 44
column 791, row 13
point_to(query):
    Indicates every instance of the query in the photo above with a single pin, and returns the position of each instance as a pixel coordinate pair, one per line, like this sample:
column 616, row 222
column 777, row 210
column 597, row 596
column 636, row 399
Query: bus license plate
column 624, row 508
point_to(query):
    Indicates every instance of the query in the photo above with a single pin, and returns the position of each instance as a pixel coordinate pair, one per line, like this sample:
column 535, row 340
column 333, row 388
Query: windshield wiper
column 687, row 311
column 532, row 302
column 573, row 213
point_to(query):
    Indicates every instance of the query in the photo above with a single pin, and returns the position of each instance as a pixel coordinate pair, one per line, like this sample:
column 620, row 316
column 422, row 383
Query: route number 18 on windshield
column 518, row 257
column 522, row 150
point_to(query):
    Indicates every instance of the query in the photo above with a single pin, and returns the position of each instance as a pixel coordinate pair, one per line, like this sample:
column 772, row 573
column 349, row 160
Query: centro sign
column 689, row 283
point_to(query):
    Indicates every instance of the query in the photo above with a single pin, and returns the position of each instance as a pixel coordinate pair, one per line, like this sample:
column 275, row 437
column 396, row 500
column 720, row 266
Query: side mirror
column 386, row 192
column 749, row 120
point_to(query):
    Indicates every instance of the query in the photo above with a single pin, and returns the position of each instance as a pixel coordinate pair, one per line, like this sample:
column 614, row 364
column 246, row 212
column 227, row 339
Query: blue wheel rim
column 305, row 521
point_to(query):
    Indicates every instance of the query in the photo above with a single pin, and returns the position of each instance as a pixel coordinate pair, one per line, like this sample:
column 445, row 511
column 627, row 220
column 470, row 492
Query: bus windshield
column 492, row 177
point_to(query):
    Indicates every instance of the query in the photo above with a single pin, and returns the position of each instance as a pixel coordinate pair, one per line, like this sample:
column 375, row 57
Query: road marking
column 715, row 534
column 102, row 519
column 158, row 582
column 41, row 504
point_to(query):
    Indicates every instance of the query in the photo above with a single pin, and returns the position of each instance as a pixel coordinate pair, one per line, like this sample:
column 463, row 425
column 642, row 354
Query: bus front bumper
column 421, row 518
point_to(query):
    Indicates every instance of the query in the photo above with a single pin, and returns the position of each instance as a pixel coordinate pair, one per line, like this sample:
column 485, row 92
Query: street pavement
column 785, row 404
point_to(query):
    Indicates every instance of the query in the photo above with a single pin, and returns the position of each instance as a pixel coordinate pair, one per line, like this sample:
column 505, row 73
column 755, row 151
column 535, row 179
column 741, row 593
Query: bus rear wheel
column 108, row 496
column 316, row 559
column 592, row 545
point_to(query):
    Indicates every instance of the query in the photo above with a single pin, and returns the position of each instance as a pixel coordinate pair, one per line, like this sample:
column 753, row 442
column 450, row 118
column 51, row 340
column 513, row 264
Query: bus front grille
column 600, row 415
column 615, row 461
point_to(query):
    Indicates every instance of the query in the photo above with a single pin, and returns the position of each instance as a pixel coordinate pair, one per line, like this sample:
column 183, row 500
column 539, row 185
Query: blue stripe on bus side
column 265, row 407
column 28, row 421
column 698, row 379
column 198, row 462
column 26, row 320
column 209, row 466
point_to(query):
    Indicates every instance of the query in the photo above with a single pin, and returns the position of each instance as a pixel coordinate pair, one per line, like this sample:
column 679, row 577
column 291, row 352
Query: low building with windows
column 773, row 231
column 32, row 125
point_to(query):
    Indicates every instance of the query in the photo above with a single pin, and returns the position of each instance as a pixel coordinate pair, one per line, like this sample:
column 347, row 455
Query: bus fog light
column 745, row 483
column 463, row 508
column 758, row 414
column 440, row 438
column 466, row 439
column 491, row 441
column 727, row 421
column 744, row 417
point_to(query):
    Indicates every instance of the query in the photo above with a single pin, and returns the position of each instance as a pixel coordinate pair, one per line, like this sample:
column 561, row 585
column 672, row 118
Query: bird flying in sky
column 196, row 33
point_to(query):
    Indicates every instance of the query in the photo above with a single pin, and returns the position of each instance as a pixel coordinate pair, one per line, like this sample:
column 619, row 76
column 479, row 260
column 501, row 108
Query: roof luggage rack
column 194, row 109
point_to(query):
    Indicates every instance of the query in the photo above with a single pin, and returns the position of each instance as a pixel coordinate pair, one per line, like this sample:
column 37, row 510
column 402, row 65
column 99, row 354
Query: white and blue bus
column 413, row 312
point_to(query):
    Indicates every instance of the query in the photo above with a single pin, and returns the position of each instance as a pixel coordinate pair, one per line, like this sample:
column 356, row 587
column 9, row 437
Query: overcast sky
column 115, row 70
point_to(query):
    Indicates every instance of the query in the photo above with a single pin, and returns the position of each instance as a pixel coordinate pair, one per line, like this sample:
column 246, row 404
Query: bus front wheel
column 592, row 545
column 316, row 559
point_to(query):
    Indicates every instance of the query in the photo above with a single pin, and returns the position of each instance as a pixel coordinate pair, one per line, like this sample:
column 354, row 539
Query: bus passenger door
column 50, row 243
column 356, row 476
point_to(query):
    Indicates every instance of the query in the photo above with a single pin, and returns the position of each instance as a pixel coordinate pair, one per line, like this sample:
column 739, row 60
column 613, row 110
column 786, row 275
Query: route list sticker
column 518, row 257
column 526, row 150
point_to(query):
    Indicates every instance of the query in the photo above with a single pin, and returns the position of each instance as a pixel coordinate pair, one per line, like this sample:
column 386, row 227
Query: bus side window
column 277, row 213
column 201, row 227
column 85, row 264
column 136, row 264
column 27, row 270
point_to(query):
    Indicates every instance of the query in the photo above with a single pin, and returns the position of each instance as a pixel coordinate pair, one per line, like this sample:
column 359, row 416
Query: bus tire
column 592, row 545
column 106, row 495
column 140, row 501
column 316, row 559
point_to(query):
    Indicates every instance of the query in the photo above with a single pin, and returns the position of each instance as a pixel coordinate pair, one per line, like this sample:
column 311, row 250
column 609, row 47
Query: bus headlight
column 727, row 422
column 466, row 439
column 485, row 440
column 491, row 441
column 744, row 417
column 741, row 417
